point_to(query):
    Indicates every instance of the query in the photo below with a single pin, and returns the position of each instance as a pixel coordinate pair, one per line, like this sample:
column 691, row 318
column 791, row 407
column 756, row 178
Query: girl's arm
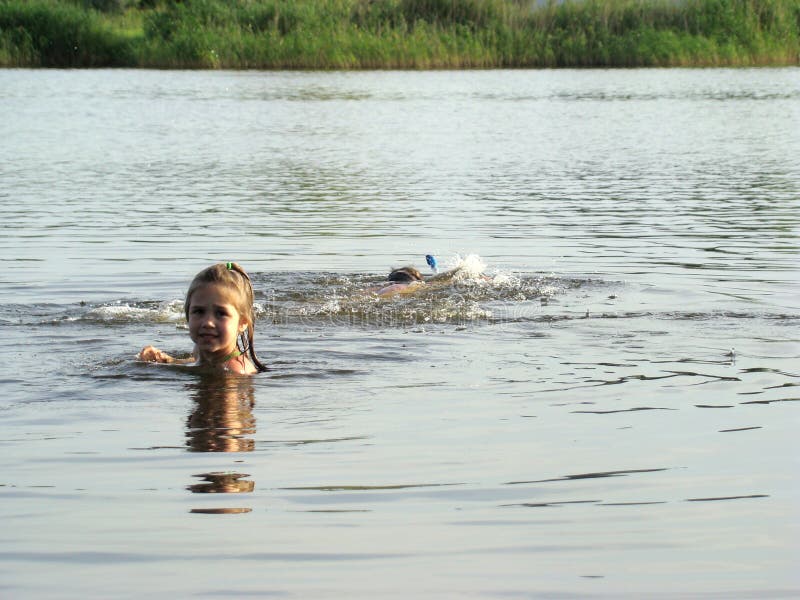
column 153, row 354
column 446, row 276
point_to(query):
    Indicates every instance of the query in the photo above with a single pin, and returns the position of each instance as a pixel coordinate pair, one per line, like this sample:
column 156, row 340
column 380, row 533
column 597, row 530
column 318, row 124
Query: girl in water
column 219, row 311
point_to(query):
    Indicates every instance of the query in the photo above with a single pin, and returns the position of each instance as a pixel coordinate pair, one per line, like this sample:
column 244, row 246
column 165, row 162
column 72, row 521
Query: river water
column 613, row 413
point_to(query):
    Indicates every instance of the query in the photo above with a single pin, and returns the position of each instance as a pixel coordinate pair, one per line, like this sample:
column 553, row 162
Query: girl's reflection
column 222, row 416
column 222, row 483
column 221, row 421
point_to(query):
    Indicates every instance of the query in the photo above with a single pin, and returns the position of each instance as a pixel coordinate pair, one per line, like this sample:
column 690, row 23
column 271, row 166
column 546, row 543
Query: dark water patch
column 318, row 556
column 706, row 375
column 694, row 96
column 537, row 549
column 32, row 437
column 138, row 371
column 81, row 557
column 771, row 401
column 762, row 593
column 420, row 385
column 769, row 370
column 549, row 504
column 624, row 379
column 632, row 503
column 723, row 498
column 335, row 510
column 311, row 93
column 725, row 360
column 231, row 593
column 362, row 357
column 305, row 375
column 601, row 364
column 14, row 492
column 627, row 378
column 621, row 410
column 595, row 475
column 221, row 511
column 101, row 459
column 713, row 405
column 710, row 315
column 367, row 488
column 113, row 377
column 740, row 429
column 539, row 319
column 506, row 522
column 311, row 441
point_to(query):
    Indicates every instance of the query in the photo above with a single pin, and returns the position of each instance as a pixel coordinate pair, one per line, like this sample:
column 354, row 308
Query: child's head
column 405, row 275
column 234, row 282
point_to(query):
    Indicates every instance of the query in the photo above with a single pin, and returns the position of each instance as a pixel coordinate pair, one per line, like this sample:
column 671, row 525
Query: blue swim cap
column 431, row 262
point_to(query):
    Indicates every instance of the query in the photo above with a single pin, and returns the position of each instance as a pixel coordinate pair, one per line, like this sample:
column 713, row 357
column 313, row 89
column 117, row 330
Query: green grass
column 413, row 34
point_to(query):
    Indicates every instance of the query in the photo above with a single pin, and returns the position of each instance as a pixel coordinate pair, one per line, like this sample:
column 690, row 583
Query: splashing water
column 143, row 312
column 469, row 296
column 468, row 268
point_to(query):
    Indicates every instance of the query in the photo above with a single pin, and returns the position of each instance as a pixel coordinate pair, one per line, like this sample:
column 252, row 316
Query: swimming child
column 219, row 311
column 401, row 281
column 407, row 280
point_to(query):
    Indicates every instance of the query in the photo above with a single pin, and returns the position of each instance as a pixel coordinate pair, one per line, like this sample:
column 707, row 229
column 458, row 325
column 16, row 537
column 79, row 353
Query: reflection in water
column 221, row 421
column 222, row 416
column 222, row 483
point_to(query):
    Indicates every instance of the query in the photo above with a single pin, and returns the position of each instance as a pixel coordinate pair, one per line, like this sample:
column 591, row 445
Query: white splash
column 165, row 312
column 471, row 267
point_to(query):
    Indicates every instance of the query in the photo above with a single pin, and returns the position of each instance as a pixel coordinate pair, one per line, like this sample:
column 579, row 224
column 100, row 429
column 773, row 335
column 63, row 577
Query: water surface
column 613, row 414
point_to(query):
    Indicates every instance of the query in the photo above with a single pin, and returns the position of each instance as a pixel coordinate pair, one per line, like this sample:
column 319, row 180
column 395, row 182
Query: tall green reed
column 343, row 34
column 60, row 34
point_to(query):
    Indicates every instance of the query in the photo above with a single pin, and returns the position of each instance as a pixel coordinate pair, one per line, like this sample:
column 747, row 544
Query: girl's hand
column 152, row 354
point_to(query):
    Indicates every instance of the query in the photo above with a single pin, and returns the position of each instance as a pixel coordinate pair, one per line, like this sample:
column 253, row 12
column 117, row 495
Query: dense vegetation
column 344, row 34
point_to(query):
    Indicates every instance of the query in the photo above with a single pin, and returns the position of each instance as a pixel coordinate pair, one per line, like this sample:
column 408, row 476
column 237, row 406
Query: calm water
column 614, row 415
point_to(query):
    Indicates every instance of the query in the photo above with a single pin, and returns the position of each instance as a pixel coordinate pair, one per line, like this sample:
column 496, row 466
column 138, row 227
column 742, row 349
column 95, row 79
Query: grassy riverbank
column 353, row 34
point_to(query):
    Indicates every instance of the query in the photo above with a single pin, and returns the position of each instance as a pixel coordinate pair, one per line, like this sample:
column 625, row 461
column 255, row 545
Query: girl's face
column 214, row 321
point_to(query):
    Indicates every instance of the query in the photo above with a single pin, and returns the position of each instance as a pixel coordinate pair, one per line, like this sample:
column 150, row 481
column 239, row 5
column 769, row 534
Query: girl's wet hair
column 233, row 277
column 405, row 275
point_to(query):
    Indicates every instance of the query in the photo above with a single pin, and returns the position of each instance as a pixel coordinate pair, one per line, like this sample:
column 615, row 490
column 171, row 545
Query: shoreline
column 768, row 66
column 336, row 35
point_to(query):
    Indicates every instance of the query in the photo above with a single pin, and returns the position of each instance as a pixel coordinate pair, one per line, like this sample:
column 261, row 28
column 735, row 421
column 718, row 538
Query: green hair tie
column 230, row 266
